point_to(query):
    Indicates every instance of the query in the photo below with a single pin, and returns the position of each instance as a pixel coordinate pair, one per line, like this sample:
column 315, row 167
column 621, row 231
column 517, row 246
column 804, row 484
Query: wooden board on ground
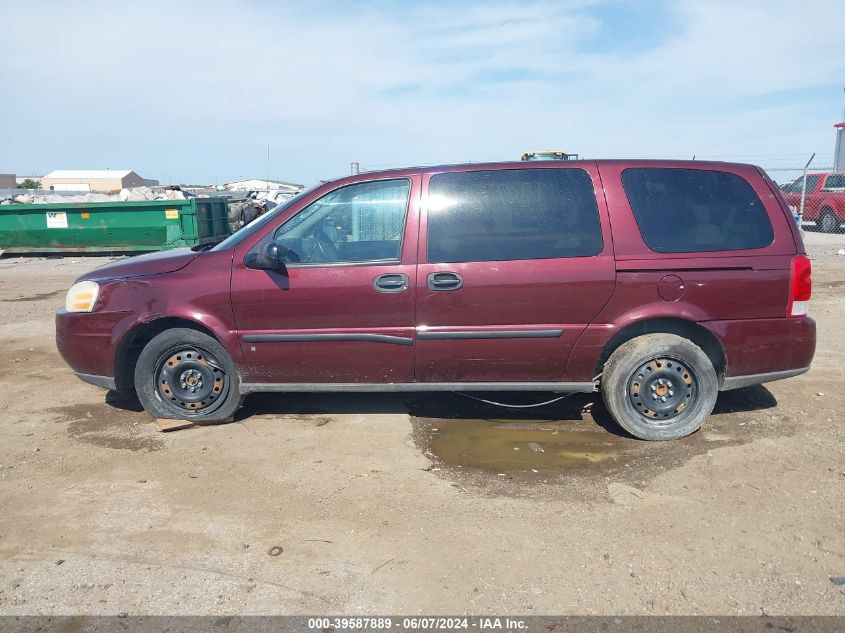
column 164, row 425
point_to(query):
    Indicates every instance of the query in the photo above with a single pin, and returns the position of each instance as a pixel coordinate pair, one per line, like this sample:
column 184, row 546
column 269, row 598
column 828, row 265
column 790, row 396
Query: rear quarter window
column 692, row 210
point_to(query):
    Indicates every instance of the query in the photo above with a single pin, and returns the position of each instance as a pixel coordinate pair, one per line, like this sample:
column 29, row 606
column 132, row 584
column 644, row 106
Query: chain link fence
column 816, row 196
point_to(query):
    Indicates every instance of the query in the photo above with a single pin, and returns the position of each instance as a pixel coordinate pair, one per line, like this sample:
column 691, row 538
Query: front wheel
column 184, row 374
column 659, row 386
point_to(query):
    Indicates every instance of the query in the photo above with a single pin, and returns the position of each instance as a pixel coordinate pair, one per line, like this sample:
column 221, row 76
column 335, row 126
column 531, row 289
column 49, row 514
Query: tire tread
column 145, row 375
column 633, row 353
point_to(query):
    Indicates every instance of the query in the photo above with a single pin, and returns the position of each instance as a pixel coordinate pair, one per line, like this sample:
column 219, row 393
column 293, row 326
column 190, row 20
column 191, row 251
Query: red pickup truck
column 824, row 200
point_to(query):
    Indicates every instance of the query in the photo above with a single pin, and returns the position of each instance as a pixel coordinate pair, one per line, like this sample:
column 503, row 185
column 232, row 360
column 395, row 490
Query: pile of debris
column 242, row 212
column 136, row 194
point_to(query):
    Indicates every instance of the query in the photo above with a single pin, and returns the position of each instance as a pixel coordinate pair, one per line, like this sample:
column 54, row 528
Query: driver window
column 360, row 222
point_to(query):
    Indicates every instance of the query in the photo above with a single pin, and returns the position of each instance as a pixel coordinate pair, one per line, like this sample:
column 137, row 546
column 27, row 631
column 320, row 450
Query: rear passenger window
column 477, row 216
column 691, row 210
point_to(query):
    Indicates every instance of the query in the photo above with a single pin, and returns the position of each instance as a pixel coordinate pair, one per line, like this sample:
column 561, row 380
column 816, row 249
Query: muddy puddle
column 522, row 445
column 572, row 440
column 463, row 433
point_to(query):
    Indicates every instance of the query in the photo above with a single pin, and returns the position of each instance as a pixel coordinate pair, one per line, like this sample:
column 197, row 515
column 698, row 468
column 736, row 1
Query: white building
column 100, row 180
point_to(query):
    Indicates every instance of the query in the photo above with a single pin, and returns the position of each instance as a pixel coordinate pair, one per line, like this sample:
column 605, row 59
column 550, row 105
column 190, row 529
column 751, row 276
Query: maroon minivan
column 658, row 283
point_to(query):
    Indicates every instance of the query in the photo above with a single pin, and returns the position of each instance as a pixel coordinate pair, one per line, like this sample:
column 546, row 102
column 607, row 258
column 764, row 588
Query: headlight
column 82, row 296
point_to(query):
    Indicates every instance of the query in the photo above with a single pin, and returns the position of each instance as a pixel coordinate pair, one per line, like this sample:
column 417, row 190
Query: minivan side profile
column 658, row 283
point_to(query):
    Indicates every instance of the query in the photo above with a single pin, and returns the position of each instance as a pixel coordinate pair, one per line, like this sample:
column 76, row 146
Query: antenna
column 268, row 167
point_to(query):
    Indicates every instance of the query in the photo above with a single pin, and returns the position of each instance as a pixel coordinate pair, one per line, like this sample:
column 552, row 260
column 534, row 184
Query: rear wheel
column 828, row 222
column 184, row 374
column 659, row 386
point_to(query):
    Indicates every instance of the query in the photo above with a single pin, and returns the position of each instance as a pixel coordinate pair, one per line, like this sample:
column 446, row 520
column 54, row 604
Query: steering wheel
column 324, row 245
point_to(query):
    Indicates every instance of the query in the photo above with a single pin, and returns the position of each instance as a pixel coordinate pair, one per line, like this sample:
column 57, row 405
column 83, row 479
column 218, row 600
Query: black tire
column 659, row 386
column 183, row 374
column 828, row 222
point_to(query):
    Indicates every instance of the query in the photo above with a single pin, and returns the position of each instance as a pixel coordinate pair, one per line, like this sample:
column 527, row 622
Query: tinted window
column 835, row 182
column 498, row 215
column 690, row 210
column 360, row 222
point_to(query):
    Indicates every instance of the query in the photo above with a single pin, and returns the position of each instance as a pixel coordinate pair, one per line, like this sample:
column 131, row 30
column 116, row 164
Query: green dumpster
column 149, row 225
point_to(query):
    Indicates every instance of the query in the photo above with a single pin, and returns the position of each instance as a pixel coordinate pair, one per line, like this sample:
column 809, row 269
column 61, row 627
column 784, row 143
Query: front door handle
column 391, row 282
column 444, row 281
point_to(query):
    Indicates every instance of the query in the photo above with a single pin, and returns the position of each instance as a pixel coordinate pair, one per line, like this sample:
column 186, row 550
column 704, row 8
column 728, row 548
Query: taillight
column 800, row 286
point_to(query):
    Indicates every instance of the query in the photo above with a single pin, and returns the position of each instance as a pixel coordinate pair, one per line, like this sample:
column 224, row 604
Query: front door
column 343, row 311
column 514, row 264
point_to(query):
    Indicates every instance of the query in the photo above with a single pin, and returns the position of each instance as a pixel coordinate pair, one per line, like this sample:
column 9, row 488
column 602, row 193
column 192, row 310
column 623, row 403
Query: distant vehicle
column 824, row 200
column 658, row 283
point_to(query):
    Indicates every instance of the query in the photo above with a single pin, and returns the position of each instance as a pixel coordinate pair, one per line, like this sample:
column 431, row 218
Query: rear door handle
column 391, row 282
column 444, row 281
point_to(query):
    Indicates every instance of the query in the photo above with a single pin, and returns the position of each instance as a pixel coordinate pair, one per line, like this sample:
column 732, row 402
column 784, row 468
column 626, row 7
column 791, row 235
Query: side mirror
column 267, row 257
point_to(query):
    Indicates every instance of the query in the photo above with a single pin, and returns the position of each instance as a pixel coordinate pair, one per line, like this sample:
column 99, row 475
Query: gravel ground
column 377, row 512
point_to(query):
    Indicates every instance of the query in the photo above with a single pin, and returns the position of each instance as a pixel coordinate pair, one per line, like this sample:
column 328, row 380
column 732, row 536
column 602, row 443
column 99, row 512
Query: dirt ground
column 412, row 503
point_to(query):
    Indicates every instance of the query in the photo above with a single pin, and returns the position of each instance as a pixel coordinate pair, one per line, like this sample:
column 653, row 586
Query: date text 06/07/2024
column 418, row 623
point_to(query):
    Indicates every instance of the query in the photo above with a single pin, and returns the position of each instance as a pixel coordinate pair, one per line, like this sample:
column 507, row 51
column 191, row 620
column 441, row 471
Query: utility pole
column 839, row 151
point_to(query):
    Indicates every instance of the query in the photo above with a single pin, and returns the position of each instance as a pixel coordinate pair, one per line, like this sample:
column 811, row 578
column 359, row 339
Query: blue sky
column 196, row 91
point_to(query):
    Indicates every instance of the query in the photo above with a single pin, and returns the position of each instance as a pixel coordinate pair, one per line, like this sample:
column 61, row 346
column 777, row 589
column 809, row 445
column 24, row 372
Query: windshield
column 238, row 236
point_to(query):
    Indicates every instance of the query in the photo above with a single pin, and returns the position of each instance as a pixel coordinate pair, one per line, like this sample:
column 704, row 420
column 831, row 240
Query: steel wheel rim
column 190, row 380
column 662, row 389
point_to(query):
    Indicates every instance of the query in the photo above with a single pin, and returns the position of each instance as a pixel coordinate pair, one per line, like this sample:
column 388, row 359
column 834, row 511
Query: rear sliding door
column 514, row 264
